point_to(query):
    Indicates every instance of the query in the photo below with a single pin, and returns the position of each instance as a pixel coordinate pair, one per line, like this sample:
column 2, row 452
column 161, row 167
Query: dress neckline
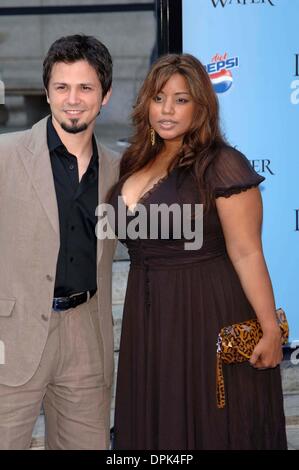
column 147, row 193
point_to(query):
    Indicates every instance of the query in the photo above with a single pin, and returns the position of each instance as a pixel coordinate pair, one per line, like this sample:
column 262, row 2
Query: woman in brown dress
column 178, row 299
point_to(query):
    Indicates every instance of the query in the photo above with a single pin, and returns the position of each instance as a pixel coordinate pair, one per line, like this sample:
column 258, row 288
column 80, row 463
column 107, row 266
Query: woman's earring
column 153, row 136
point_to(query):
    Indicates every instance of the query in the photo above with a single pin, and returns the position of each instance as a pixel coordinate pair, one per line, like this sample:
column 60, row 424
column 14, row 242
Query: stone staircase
column 289, row 368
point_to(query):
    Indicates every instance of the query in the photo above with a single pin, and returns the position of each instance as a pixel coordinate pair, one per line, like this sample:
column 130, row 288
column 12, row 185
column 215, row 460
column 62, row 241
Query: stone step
column 291, row 407
column 290, row 373
column 293, row 437
column 38, row 435
column 120, row 271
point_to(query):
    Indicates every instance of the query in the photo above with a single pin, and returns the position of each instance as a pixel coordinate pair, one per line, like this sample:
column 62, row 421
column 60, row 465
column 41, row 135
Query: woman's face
column 171, row 112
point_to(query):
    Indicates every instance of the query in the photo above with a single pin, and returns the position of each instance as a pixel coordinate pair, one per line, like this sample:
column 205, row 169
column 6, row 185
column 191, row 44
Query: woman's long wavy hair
column 203, row 140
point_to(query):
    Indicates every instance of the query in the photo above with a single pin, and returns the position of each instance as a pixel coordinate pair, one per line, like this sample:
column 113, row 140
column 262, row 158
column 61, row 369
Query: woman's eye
column 182, row 100
column 157, row 99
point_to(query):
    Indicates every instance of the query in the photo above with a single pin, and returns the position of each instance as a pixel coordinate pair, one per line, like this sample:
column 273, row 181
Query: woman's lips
column 166, row 124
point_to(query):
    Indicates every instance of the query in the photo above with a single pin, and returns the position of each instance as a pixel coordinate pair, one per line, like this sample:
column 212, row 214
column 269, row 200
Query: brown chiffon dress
column 176, row 302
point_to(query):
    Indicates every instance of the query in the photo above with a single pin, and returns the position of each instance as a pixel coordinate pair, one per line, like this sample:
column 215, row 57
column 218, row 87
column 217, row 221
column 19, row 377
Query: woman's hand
column 268, row 351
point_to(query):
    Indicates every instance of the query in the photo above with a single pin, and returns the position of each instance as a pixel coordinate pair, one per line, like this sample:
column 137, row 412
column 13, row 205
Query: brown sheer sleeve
column 230, row 173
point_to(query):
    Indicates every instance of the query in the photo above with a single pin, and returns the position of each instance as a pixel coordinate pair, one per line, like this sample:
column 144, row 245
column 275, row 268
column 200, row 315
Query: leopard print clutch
column 236, row 343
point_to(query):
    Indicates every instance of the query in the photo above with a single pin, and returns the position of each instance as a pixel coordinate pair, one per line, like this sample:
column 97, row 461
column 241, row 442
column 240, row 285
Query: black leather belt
column 64, row 303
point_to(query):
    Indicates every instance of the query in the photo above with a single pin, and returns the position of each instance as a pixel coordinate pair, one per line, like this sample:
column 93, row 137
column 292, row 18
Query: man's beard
column 74, row 128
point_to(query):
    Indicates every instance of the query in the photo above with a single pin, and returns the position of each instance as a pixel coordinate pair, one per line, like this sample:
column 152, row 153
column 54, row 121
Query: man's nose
column 74, row 96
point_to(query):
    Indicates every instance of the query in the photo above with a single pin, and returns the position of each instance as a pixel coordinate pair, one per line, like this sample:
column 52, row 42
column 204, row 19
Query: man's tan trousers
column 69, row 384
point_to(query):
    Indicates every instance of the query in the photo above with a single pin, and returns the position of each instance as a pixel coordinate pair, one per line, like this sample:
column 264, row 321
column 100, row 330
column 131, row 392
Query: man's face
column 75, row 95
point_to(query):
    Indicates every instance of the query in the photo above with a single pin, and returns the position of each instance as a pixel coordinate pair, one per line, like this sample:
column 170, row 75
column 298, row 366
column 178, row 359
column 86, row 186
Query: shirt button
column 49, row 277
column 72, row 228
column 45, row 317
column 71, row 167
column 71, row 259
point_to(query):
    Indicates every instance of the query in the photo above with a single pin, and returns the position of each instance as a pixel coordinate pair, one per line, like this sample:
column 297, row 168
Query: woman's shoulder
column 230, row 157
column 231, row 172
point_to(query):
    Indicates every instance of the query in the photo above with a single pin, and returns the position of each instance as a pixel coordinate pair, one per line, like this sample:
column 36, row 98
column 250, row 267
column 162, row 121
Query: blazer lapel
column 108, row 173
column 36, row 159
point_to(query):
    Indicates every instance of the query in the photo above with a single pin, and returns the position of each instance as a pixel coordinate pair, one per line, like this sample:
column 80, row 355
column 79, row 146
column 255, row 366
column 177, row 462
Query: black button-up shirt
column 77, row 202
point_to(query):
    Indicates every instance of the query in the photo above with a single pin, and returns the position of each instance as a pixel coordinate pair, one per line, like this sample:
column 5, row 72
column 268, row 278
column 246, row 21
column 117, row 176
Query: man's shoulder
column 111, row 155
column 25, row 138
column 10, row 140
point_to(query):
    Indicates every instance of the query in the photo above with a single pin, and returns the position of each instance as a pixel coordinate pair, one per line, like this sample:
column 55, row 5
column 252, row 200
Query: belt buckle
column 71, row 300
column 57, row 304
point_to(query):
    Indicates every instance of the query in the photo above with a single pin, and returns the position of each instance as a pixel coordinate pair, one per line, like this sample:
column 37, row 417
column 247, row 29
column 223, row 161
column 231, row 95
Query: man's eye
column 86, row 87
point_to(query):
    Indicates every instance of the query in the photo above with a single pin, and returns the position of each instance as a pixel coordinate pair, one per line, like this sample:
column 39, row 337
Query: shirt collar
column 53, row 138
column 54, row 142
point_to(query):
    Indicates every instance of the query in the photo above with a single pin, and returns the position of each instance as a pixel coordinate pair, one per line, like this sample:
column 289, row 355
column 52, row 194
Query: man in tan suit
column 56, row 337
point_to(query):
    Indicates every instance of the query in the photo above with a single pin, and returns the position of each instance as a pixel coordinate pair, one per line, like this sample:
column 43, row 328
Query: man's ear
column 107, row 97
column 48, row 101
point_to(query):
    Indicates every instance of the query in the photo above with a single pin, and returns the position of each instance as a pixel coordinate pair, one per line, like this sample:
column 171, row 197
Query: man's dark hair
column 70, row 49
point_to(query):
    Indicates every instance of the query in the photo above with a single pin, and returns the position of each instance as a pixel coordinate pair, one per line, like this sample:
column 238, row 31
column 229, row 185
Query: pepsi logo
column 219, row 70
column 221, row 81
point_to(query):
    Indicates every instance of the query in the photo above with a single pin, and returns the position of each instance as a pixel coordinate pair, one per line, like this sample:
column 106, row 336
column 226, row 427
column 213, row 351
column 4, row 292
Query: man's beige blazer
column 29, row 245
